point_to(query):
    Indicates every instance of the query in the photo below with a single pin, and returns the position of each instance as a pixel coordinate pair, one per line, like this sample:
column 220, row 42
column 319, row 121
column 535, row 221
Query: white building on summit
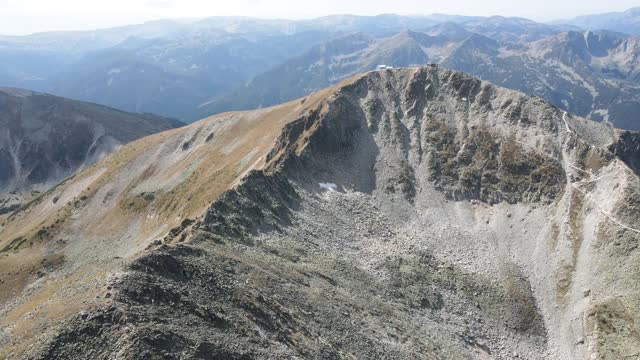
column 383, row 67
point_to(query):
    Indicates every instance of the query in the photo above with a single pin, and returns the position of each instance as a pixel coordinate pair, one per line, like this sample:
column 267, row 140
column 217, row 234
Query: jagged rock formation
column 44, row 139
column 409, row 213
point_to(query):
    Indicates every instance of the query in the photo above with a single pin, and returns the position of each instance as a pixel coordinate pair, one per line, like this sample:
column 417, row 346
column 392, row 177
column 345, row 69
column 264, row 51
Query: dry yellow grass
column 115, row 208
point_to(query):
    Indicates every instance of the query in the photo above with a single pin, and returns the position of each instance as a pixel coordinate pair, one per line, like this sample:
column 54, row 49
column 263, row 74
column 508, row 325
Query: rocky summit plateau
column 413, row 213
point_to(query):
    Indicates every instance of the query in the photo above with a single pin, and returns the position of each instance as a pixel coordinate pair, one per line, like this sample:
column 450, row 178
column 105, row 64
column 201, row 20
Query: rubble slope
column 407, row 213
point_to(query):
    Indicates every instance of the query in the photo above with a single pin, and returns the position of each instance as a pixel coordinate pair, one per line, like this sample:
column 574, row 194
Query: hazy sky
column 27, row 16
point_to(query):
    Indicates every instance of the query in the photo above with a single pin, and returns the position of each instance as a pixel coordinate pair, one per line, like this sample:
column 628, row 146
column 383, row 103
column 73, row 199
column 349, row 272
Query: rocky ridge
column 408, row 213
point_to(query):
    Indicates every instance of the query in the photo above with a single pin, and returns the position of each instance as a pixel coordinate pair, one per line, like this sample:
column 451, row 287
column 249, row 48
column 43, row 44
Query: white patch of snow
column 604, row 113
column 328, row 186
column 110, row 81
column 566, row 124
column 114, row 71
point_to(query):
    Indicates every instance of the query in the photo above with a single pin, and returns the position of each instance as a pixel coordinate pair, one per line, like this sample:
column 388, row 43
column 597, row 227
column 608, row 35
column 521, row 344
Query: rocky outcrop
column 415, row 213
column 627, row 148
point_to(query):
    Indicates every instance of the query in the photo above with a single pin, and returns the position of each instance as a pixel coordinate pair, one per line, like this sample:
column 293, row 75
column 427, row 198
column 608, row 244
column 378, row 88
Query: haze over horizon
column 22, row 17
column 269, row 179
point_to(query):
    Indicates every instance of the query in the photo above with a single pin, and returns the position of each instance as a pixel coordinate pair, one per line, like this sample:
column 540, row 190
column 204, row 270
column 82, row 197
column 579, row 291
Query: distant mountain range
column 190, row 70
column 593, row 74
column 170, row 73
column 45, row 138
column 625, row 21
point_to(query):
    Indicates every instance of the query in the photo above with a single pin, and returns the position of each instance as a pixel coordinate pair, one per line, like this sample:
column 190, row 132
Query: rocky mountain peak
column 406, row 213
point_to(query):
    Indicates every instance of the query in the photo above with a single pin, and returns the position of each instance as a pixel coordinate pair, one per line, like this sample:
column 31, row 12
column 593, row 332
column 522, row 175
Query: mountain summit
column 410, row 213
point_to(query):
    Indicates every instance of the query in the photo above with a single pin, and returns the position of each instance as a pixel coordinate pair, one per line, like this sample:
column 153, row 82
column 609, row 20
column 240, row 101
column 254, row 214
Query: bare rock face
column 628, row 149
column 405, row 214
